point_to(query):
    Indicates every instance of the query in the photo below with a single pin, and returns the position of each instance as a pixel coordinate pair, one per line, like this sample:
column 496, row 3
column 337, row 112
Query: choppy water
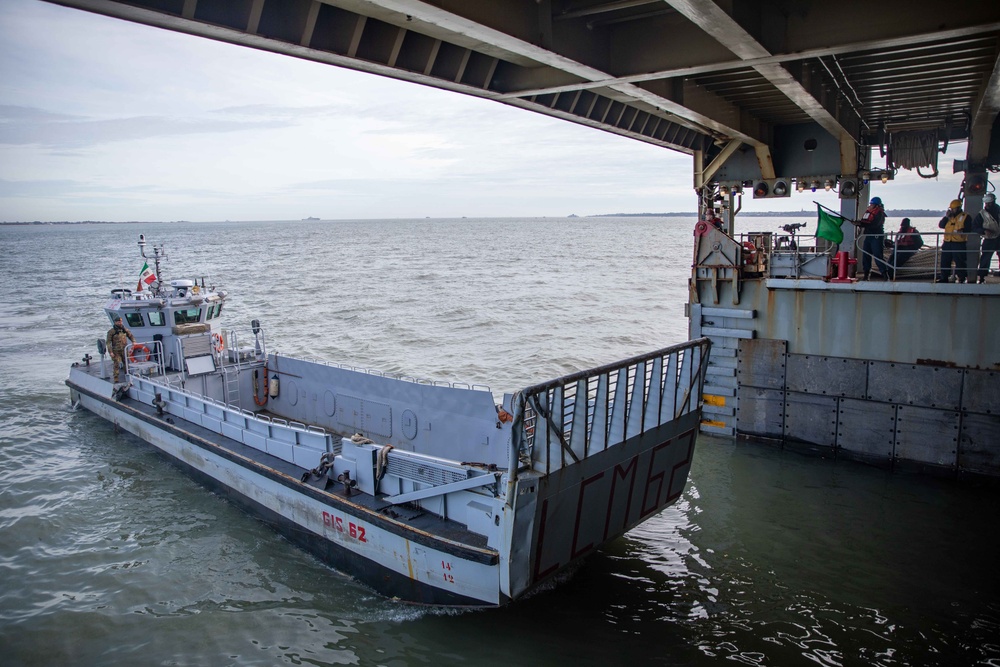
column 109, row 555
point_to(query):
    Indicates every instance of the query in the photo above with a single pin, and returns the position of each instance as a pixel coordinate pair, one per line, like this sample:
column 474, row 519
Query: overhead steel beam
column 984, row 114
column 518, row 50
column 730, row 65
column 602, row 9
column 668, row 131
column 438, row 23
column 699, row 72
column 724, row 29
column 705, row 175
column 765, row 161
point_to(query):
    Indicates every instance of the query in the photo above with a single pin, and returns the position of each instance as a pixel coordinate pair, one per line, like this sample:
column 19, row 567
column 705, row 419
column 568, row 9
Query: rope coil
column 914, row 150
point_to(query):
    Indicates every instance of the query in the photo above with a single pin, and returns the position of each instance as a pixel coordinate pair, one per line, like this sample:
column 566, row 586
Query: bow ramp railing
column 564, row 421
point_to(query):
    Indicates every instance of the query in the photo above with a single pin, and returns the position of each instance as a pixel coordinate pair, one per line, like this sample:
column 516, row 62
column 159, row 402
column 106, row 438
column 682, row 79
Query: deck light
column 974, row 184
column 772, row 187
column 848, row 188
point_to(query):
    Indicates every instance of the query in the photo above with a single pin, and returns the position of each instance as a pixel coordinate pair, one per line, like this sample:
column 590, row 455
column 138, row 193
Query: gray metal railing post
column 556, row 413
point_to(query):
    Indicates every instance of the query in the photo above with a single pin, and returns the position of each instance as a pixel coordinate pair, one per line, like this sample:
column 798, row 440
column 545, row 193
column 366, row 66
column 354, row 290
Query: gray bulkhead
column 453, row 423
column 889, row 374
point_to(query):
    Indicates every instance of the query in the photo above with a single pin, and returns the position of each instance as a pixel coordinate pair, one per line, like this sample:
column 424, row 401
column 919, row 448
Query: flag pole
column 839, row 215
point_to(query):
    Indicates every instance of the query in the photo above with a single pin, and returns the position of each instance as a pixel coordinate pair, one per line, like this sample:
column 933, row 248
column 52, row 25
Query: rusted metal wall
column 882, row 412
column 890, row 374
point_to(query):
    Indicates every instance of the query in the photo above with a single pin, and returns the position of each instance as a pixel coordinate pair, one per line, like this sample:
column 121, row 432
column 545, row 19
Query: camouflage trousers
column 118, row 362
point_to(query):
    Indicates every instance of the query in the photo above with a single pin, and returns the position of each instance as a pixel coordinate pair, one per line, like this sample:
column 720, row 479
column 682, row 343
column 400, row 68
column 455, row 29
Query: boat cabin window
column 218, row 310
column 211, row 313
column 187, row 315
column 134, row 319
column 156, row 319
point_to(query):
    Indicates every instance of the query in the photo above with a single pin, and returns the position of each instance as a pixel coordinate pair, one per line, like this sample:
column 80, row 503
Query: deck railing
column 153, row 353
column 292, row 441
column 925, row 263
column 564, row 421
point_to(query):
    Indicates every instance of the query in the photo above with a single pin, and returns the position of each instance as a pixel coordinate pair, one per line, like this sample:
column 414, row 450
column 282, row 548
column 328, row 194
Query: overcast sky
column 102, row 119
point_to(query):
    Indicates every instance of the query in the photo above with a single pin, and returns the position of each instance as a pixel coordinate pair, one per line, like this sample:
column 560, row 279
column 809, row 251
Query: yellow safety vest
column 954, row 226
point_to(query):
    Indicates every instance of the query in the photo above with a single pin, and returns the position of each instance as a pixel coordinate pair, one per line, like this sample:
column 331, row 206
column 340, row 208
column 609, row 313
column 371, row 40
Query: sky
column 102, row 119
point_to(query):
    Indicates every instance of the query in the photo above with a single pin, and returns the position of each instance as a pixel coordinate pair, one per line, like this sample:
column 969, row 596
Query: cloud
column 30, row 126
column 72, row 188
column 286, row 112
column 53, row 188
column 11, row 113
column 23, row 125
column 105, row 119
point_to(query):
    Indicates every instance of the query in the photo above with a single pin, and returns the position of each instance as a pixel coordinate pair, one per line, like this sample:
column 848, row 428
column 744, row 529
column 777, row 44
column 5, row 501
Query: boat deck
column 322, row 487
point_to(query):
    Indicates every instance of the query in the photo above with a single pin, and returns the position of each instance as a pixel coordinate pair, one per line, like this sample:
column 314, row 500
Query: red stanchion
column 842, row 262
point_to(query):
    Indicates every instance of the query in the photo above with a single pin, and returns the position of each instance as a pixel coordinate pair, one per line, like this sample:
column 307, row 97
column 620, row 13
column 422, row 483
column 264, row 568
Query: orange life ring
column 749, row 253
column 136, row 349
column 217, row 343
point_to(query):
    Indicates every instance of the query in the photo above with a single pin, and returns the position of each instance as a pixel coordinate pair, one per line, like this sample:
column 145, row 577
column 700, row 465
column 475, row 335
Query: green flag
column 828, row 226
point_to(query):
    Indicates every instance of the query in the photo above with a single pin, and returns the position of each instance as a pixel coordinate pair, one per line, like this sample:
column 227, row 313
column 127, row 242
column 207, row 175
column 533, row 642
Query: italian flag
column 146, row 276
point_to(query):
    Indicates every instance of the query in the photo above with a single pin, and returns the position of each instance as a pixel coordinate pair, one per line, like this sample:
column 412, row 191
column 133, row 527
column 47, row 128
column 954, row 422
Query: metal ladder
column 725, row 327
column 231, row 385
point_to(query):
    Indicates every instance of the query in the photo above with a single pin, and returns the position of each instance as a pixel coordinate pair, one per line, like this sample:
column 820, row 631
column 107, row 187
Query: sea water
column 110, row 555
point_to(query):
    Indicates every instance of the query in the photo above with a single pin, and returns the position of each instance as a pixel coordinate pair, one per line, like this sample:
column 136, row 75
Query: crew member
column 714, row 218
column 908, row 242
column 956, row 225
column 873, row 224
column 117, row 339
column 987, row 223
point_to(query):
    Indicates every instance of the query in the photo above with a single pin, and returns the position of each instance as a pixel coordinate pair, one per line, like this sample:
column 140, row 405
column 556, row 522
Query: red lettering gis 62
column 350, row 529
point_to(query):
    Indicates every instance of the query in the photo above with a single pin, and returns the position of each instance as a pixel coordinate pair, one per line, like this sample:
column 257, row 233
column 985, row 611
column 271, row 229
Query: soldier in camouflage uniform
column 118, row 337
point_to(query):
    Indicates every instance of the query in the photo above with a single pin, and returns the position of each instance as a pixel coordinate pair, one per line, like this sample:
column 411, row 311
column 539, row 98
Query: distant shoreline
column 898, row 213
column 92, row 222
column 892, row 213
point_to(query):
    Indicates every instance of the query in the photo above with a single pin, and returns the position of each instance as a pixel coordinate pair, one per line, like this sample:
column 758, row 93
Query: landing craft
column 427, row 492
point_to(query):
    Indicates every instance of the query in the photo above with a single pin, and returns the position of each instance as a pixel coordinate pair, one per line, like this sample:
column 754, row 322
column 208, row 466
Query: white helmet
column 989, row 198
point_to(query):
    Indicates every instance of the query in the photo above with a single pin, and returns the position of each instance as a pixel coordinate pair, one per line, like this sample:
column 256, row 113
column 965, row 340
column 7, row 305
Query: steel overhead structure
column 702, row 77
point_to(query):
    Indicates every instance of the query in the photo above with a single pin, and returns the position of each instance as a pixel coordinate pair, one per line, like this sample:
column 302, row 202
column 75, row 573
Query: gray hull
column 595, row 454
